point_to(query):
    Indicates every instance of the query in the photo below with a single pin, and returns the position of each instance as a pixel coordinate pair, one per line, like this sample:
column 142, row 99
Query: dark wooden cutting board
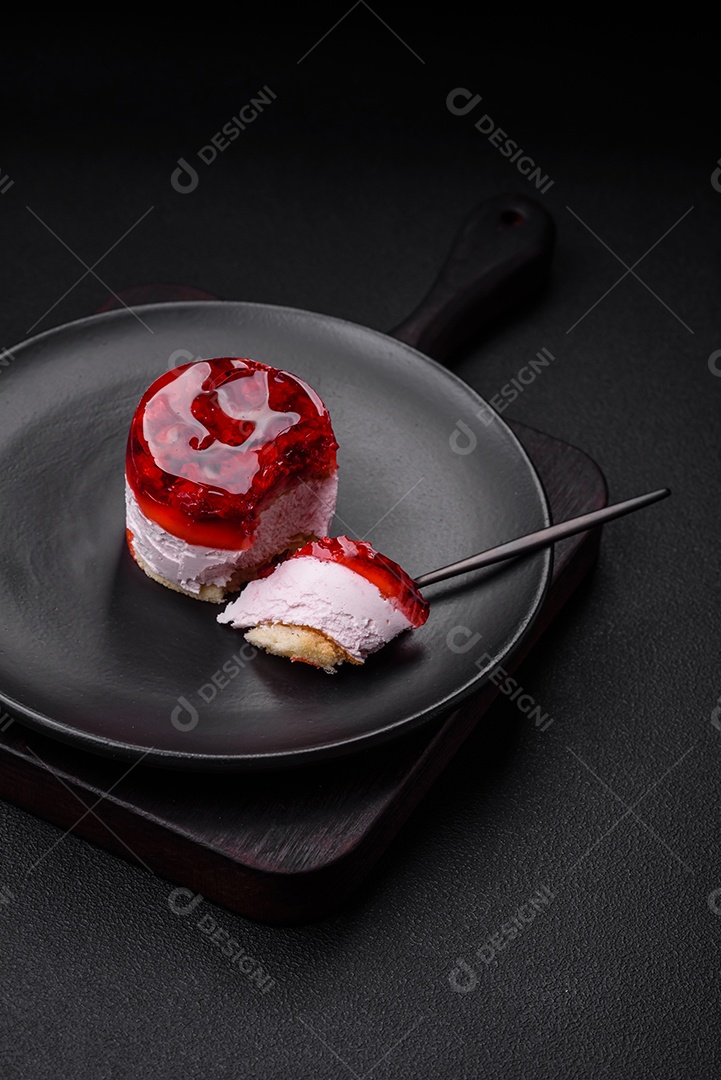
column 289, row 846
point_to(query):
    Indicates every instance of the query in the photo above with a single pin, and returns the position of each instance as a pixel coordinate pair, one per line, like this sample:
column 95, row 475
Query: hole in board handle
column 512, row 217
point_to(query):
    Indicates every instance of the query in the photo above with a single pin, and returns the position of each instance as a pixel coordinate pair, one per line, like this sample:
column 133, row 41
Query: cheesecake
column 333, row 601
column 230, row 466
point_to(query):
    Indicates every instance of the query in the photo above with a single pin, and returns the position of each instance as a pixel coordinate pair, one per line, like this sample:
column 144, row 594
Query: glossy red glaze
column 215, row 441
column 390, row 579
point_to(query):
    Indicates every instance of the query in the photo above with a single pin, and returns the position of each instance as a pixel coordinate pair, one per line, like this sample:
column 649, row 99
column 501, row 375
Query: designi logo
column 177, row 179
column 184, row 706
column 716, row 178
column 185, row 178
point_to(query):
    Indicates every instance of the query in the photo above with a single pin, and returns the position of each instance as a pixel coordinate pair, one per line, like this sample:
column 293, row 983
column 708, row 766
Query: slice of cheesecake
column 334, row 600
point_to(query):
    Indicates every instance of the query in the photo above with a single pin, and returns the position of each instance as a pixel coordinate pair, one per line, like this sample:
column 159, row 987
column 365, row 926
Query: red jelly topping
column 214, row 441
column 390, row 579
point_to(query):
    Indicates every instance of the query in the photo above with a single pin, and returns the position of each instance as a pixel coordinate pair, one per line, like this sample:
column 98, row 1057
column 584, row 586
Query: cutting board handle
column 501, row 256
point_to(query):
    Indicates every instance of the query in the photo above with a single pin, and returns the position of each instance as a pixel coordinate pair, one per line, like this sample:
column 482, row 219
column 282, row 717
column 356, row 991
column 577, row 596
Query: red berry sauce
column 212, row 442
column 388, row 577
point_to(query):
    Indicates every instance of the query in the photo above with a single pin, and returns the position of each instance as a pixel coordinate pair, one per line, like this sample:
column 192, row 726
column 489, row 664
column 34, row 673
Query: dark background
column 343, row 197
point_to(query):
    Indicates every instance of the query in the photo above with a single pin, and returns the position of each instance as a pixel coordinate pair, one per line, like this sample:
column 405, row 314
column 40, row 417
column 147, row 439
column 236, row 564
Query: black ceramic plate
column 93, row 652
